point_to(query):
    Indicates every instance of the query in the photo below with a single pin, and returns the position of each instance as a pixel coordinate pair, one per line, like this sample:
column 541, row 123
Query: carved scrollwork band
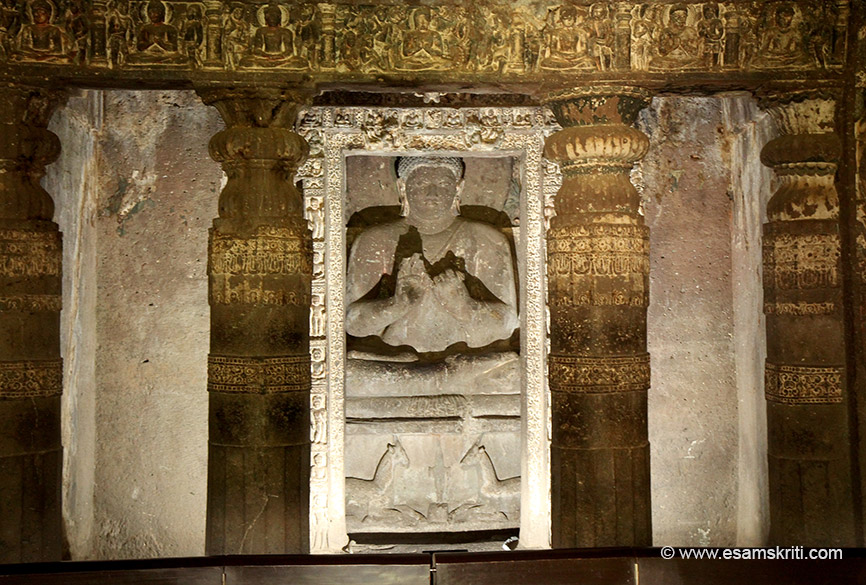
column 31, row 379
column 599, row 374
column 579, row 256
column 795, row 261
column 254, row 375
column 28, row 253
column 803, row 384
column 259, row 261
column 31, row 303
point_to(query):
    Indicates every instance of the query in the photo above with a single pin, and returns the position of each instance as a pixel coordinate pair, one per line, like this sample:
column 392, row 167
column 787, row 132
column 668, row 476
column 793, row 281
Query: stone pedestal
column 599, row 369
column 805, row 384
column 30, row 366
column 260, row 268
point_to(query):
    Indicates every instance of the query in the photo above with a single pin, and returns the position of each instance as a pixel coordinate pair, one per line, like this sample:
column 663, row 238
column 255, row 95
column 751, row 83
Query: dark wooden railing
column 559, row 567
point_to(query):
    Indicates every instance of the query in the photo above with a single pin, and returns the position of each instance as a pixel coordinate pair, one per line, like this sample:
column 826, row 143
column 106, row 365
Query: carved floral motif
column 257, row 375
column 31, row 379
column 599, row 374
column 803, row 384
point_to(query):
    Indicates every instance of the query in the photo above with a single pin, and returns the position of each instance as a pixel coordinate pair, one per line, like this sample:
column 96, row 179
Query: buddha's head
column 568, row 16
column 156, row 12
column 679, row 16
column 784, row 16
column 273, row 16
column 42, row 12
column 430, row 186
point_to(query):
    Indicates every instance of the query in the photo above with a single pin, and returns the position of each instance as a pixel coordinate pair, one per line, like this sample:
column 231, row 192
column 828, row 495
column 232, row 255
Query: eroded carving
column 28, row 253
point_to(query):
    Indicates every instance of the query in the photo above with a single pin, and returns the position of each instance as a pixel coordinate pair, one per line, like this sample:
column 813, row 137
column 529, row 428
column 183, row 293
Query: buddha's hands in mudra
column 413, row 282
column 449, row 288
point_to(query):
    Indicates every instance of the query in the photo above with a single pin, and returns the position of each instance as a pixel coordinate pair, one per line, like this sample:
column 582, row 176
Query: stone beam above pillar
column 492, row 44
column 260, row 270
column 809, row 455
column 598, row 291
column 31, row 455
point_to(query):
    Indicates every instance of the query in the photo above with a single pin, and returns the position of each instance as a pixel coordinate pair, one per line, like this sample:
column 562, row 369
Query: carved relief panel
column 511, row 38
column 393, row 448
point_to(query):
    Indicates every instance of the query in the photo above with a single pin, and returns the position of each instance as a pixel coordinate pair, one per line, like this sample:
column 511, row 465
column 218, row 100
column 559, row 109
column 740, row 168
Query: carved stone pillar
column 599, row 369
column 807, row 423
column 260, row 269
column 30, row 366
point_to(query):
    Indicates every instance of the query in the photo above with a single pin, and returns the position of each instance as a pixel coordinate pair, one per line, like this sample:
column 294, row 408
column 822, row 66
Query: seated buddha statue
column 273, row 45
column 423, row 48
column 565, row 44
column 157, row 40
column 41, row 40
column 432, row 280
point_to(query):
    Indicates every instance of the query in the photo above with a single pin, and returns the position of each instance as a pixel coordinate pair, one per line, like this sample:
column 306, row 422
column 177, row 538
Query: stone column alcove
column 811, row 500
column 598, row 270
column 259, row 268
column 30, row 365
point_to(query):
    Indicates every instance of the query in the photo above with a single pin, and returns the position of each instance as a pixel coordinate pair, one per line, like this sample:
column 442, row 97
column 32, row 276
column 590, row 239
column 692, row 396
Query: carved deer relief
column 364, row 496
column 502, row 494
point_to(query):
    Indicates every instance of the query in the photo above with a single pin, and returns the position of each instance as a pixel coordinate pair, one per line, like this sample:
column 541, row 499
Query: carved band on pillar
column 31, row 370
column 598, row 292
column 807, row 423
column 260, row 271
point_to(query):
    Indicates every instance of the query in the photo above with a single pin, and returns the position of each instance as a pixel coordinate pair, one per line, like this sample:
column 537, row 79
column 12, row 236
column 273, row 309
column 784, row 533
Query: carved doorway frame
column 337, row 132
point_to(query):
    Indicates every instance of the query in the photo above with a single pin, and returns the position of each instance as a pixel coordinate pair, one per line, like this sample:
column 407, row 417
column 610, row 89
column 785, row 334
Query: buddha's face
column 784, row 18
column 679, row 18
column 430, row 191
column 156, row 13
column 41, row 15
column 273, row 16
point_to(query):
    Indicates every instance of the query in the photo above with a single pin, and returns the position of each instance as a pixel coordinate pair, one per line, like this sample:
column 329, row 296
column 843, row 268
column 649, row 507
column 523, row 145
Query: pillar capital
column 597, row 140
column 594, row 105
column 26, row 148
column 259, row 151
column 804, row 156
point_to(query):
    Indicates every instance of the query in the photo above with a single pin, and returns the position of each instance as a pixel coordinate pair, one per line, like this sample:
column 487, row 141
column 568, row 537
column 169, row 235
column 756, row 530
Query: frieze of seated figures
column 526, row 38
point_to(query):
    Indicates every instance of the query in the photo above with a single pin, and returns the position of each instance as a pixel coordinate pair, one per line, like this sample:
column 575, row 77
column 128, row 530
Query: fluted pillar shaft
column 599, row 370
column 31, row 370
column 805, row 383
column 259, row 267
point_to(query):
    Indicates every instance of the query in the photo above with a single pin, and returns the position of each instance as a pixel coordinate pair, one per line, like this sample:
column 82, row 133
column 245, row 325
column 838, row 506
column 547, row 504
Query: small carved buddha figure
column 41, row 40
column 431, row 280
column 273, row 44
column 782, row 44
column 423, row 48
column 566, row 46
column 157, row 40
column 679, row 45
